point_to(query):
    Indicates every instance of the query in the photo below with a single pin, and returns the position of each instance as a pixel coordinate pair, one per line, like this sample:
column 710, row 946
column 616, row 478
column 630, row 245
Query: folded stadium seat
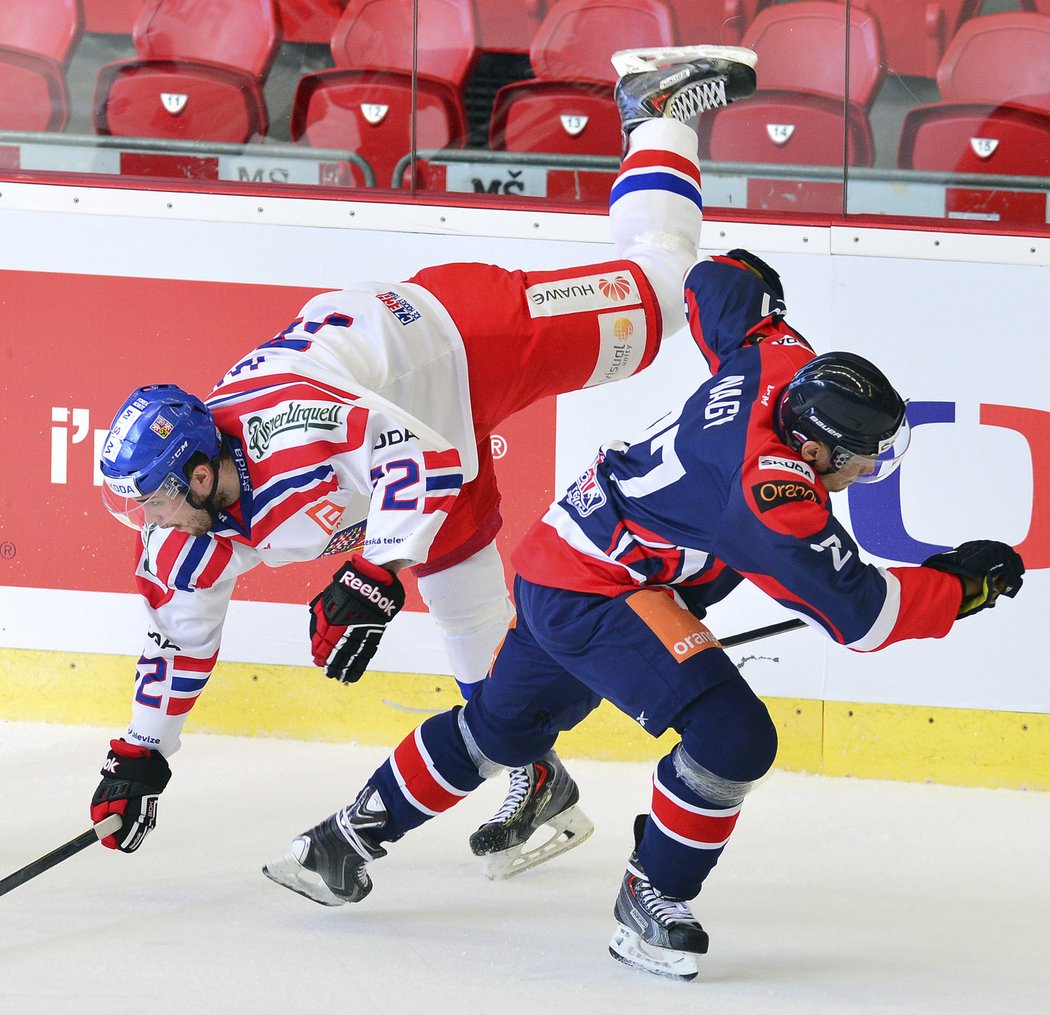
column 37, row 39
column 915, row 33
column 310, row 21
column 806, row 112
column 199, row 76
column 365, row 104
column 111, row 17
column 509, row 27
column 997, row 57
column 569, row 107
column 994, row 80
column 722, row 22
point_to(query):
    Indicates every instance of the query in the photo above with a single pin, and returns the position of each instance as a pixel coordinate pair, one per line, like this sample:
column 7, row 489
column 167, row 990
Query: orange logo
column 678, row 630
column 614, row 288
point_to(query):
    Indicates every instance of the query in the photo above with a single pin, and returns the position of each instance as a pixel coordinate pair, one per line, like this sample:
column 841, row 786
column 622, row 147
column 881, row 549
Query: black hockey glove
column 995, row 565
column 348, row 618
column 760, row 268
column 132, row 779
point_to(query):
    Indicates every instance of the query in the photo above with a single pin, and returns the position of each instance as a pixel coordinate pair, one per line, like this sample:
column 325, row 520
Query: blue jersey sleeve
column 728, row 306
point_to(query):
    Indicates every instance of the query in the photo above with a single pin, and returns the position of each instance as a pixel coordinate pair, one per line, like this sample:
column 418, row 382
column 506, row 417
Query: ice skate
column 680, row 82
column 541, row 794
column 327, row 863
column 657, row 934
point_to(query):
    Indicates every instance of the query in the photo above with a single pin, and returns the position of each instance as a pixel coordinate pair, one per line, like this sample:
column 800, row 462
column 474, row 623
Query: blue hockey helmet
column 155, row 434
column 847, row 403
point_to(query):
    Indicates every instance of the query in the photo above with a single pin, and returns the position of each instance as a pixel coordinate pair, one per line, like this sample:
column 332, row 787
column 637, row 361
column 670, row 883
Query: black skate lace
column 520, row 785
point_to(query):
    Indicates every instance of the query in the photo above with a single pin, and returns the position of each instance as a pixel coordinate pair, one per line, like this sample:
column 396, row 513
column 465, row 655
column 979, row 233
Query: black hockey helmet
column 848, row 404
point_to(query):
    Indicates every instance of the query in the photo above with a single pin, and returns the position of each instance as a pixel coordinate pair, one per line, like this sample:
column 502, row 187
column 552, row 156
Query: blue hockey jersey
column 709, row 495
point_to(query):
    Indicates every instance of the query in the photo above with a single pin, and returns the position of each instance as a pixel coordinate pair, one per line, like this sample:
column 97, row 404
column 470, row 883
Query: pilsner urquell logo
column 262, row 429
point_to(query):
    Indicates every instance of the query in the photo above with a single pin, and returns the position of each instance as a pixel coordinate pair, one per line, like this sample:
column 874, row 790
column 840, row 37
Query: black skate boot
column 656, row 933
column 327, row 863
column 542, row 793
column 681, row 82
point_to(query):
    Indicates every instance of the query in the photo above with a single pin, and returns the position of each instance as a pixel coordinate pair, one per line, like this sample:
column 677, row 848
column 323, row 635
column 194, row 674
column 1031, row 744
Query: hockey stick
column 762, row 632
column 107, row 826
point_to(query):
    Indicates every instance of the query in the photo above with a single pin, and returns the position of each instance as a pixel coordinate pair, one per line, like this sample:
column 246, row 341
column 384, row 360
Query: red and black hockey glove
column 132, row 779
column 996, row 566
column 348, row 618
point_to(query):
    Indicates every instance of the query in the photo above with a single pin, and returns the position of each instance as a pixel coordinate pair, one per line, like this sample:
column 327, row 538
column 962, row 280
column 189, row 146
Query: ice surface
column 835, row 895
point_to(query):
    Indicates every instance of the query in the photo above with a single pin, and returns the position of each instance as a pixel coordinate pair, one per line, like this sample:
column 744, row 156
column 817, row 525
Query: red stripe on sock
column 659, row 157
column 701, row 830
column 418, row 779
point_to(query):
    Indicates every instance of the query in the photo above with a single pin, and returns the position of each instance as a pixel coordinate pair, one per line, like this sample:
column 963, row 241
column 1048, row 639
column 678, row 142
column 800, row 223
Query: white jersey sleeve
column 187, row 583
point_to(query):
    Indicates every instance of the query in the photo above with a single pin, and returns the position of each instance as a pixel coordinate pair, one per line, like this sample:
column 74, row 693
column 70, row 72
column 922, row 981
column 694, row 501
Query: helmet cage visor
column 873, row 468
column 137, row 510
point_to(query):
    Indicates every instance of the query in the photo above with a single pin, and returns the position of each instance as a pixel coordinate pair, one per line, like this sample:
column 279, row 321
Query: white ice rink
column 834, row 896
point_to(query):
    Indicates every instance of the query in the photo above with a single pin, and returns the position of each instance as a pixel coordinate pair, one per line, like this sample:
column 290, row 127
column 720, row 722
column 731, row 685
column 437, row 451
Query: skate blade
column 289, row 873
column 627, row 947
column 632, row 61
column 571, row 827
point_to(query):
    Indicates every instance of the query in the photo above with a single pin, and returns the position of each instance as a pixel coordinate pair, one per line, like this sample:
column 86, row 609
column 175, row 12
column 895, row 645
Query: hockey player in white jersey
column 362, row 430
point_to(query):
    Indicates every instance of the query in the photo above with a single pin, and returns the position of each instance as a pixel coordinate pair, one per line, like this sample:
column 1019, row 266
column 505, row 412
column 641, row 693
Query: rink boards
column 117, row 289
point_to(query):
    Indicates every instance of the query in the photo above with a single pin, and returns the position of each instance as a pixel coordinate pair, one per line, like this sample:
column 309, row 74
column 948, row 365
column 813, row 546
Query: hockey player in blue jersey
column 613, row 585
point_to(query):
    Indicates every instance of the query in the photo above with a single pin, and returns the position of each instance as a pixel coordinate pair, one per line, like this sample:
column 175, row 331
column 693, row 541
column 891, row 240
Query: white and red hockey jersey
column 352, row 424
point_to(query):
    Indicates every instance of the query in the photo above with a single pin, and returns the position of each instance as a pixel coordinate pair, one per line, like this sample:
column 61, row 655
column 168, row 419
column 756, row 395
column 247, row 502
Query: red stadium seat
column 915, row 33
column 779, row 127
column 805, row 112
column 370, row 113
column 995, row 79
column 377, row 35
column 37, row 38
column 365, row 104
column 972, row 137
column 113, row 17
column 199, row 76
column 997, row 57
column 509, row 27
column 995, row 82
column 802, row 47
column 309, row 20
column 722, row 22
column 569, row 108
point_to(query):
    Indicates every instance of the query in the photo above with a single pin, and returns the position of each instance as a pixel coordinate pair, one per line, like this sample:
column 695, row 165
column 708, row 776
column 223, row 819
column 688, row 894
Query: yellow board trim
column 957, row 746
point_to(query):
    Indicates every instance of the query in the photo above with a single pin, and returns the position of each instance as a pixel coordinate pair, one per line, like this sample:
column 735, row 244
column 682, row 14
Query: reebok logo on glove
column 349, row 616
column 372, row 593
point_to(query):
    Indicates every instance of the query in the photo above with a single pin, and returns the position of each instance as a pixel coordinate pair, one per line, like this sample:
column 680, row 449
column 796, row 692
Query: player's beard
column 198, row 523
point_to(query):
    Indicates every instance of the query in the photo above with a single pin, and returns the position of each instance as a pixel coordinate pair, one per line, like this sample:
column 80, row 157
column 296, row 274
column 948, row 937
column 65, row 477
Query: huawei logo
column 615, row 288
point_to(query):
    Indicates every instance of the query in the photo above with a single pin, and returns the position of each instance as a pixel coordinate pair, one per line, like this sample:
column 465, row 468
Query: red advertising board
column 74, row 346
